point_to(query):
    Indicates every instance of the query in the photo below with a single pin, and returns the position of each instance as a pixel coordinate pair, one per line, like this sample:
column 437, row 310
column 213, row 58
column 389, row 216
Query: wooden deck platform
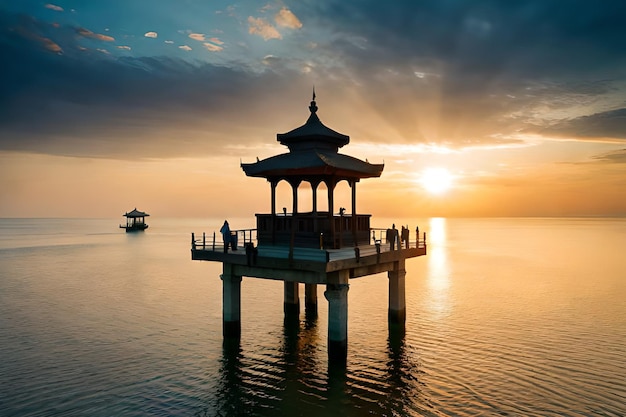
column 309, row 265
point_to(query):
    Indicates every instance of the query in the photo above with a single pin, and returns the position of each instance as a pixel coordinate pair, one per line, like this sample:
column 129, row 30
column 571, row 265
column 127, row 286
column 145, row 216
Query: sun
column 436, row 180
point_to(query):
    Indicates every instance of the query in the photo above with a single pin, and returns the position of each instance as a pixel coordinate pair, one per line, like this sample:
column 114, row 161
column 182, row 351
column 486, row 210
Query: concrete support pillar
column 292, row 299
column 310, row 299
column 337, row 296
column 231, row 303
column 397, row 300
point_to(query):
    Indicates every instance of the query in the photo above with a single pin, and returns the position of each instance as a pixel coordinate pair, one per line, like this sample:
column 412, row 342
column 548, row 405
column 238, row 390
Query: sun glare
column 436, row 180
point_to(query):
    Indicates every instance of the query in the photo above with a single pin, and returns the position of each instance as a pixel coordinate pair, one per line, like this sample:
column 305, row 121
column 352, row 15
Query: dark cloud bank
column 492, row 61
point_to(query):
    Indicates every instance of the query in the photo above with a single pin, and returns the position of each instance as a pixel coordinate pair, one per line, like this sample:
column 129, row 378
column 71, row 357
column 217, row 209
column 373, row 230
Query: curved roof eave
column 312, row 164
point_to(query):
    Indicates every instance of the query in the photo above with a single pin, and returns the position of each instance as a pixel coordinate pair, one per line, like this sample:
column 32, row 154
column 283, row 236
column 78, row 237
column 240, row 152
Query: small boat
column 135, row 221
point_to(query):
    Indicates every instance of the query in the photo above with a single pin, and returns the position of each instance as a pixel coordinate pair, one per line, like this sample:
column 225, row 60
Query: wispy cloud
column 603, row 125
column 54, row 7
column 50, row 45
column 286, row 18
column 89, row 34
column 212, row 48
column 127, row 48
column 618, row 157
column 151, row 35
column 197, row 37
column 216, row 41
column 261, row 27
column 184, row 48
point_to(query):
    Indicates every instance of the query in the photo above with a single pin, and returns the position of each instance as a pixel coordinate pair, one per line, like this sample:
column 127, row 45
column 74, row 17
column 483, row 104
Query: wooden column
column 294, row 188
column 397, row 300
column 353, row 185
column 231, row 303
column 331, row 202
column 354, row 237
column 314, row 185
column 273, row 184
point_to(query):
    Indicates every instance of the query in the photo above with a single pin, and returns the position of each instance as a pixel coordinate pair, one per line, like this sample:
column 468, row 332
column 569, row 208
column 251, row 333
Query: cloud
column 618, row 157
column 286, row 18
column 53, row 7
column 489, row 68
column 184, row 48
column 89, row 34
column 608, row 124
column 50, row 45
column 197, row 37
column 151, row 34
column 31, row 30
column 86, row 104
column 127, row 48
column 449, row 73
column 261, row 27
column 168, row 42
column 212, row 48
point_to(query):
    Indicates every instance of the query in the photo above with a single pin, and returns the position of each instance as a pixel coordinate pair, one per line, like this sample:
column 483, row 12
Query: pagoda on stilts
column 135, row 221
column 317, row 247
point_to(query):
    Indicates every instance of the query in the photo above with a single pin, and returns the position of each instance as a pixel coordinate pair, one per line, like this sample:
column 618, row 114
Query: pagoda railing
column 315, row 230
column 241, row 238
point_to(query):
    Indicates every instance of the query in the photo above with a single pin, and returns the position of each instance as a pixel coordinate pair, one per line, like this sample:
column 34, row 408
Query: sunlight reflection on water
column 438, row 272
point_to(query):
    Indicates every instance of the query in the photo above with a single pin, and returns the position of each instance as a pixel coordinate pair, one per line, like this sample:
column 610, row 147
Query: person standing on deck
column 225, row 231
column 392, row 237
column 404, row 237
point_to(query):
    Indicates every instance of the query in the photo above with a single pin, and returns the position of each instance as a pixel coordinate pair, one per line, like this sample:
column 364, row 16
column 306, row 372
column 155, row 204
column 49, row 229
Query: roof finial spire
column 313, row 106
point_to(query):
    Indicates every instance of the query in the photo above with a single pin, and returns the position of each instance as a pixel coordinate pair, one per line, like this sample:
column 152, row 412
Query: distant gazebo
column 313, row 157
column 135, row 221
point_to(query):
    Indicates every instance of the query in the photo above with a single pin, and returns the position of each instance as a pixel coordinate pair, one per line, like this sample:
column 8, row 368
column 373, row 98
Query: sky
column 476, row 108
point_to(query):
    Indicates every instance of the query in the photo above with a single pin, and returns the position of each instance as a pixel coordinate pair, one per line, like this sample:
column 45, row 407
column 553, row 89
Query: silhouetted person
column 251, row 253
column 392, row 236
column 225, row 231
column 405, row 236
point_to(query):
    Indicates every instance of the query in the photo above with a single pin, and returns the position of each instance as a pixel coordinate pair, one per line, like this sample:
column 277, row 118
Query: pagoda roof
column 313, row 134
column 313, row 153
column 313, row 163
column 136, row 213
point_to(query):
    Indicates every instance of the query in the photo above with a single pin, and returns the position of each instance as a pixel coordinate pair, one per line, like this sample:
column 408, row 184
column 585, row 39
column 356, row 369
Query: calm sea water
column 517, row 317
